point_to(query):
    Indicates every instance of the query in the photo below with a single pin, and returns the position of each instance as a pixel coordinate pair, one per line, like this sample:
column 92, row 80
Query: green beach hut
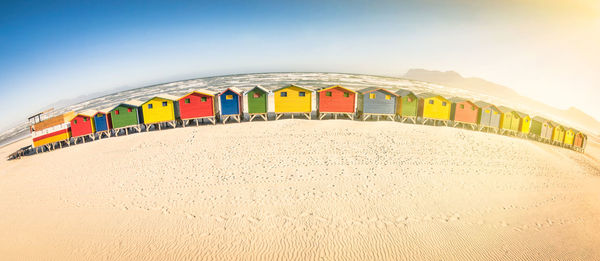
column 257, row 102
column 126, row 116
column 407, row 105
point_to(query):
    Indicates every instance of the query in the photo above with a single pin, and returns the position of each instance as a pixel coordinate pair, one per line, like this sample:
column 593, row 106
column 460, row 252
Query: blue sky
column 64, row 49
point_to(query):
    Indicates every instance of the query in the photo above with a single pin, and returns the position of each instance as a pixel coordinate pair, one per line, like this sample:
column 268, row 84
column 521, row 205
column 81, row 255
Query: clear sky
column 52, row 50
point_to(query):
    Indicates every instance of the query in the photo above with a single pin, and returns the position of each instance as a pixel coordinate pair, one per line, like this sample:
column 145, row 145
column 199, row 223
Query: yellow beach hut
column 569, row 137
column 159, row 110
column 292, row 100
column 558, row 134
column 524, row 123
column 434, row 108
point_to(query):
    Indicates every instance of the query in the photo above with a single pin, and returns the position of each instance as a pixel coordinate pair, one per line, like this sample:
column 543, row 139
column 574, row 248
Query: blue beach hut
column 230, row 104
column 102, row 122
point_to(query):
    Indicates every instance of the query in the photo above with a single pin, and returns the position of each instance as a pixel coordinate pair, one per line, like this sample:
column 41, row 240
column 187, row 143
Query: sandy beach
column 302, row 190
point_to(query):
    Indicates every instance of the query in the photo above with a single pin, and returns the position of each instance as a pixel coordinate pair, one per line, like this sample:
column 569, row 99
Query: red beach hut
column 197, row 105
column 337, row 100
column 464, row 112
column 82, row 125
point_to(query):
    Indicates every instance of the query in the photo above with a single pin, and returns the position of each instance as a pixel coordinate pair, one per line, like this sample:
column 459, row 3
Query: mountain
column 478, row 85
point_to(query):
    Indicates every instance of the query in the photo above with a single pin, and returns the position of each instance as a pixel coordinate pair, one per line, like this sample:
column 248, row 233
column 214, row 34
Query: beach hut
column 48, row 132
column 230, row 104
column 464, row 112
column 292, row 100
column 509, row 120
column 127, row 116
column 541, row 129
column 524, row 123
column 256, row 101
column 407, row 105
column 488, row 117
column 82, row 126
column 159, row 110
column 569, row 137
column 579, row 141
column 434, row 108
column 196, row 106
column 336, row 100
column 102, row 123
column 376, row 102
column 558, row 134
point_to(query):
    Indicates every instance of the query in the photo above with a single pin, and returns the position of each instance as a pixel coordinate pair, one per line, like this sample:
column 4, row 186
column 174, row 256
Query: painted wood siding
column 158, row 110
column 408, row 106
column 578, row 141
column 289, row 100
column 230, row 103
column 524, row 125
column 101, row 122
column 82, row 125
column 569, row 137
column 257, row 101
column 196, row 105
column 336, row 100
column 558, row 134
column 546, row 131
column 509, row 121
column 382, row 103
column 436, row 108
column 489, row 117
column 464, row 112
column 125, row 117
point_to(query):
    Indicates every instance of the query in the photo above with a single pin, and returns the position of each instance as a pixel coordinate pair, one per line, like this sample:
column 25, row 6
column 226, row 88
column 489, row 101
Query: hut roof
column 335, row 86
column 291, row 85
column 521, row 114
column 483, row 104
column 426, row 95
column 104, row 110
column 135, row 103
column 505, row 109
column 89, row 113
column 201, row 91
column 459, row 99
column 260, row 88
column 166, row 96
column 540, row 119
column 372, row 89
column 233, row 89
column 403, row 92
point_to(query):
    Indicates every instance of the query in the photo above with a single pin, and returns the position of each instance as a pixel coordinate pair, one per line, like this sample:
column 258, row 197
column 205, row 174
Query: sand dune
column 297, row 190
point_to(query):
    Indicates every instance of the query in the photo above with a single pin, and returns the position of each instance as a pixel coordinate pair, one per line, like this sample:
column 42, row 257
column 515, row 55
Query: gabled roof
column 291, row 85
column 258, row 87
column 372, row 89
column 104, row 110
column 89, row 113
column 201, row 91
column 134, row 103
column 540, row 119
column 427, row 95
column 460, row 99
column 233, row 89
column 522, row 114
column 483, row 104
column 403, row 92
column 335, row 86
column 505, row 109
column 166, row 97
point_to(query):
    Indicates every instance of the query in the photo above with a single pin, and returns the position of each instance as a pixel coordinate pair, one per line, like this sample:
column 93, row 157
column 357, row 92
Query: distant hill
column 455, row 80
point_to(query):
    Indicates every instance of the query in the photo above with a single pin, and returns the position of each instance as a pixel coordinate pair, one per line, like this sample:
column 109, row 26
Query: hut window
column 187, row 100
column 84, row 119
column 487, row 111
column 371, row 96
column 430, row 101
column 164, row 104
column 473, row 108
column 495, row 112
column 129, row 110
column 283, row 94
column 116, row 112
column 256, row 95
column 229, row 97
column 388, row 97
column 408, row 99
column 150, row 106
column 443, row 103
column 328, row 94
column 462, row 106
column 75, row 121
column 346, row 94
column 203, row 99
column 301, row 94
